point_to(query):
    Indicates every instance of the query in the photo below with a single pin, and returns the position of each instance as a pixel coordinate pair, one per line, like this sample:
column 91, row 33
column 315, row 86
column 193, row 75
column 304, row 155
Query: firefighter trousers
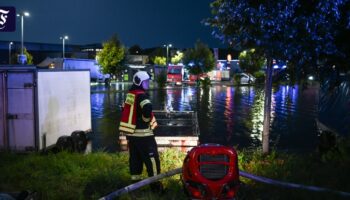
column 143, row 150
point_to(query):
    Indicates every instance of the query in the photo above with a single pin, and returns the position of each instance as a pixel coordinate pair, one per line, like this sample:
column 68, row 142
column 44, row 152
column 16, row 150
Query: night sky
column 146, row 23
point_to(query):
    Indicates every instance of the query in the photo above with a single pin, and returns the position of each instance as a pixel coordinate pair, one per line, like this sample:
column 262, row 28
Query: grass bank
column 75, row 176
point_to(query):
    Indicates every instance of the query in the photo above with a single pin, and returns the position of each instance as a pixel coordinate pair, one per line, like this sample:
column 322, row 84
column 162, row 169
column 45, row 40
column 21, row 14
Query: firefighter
column 137, row 123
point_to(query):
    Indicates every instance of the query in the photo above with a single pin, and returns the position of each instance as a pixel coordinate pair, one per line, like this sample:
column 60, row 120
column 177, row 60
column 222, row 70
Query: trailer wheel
column 79, row 140
column 65, row 143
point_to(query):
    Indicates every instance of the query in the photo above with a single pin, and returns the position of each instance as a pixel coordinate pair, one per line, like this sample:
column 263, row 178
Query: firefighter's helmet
column 139, row 77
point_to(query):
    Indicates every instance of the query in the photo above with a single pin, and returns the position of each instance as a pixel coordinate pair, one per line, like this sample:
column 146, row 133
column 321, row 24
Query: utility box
column 39, row 106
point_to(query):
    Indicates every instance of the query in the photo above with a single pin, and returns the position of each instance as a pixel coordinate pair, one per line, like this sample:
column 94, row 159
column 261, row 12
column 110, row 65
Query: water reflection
column 228, row 119
column 257, row 117
column 206, row 114
column 227, row 115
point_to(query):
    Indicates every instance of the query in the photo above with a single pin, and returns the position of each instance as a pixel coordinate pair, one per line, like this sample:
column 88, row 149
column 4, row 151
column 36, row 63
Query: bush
column 260, row 77
column 236, row 79
column 161, row 79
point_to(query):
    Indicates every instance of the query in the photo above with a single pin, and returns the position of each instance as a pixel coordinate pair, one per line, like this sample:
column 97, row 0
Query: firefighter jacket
column 137, row 117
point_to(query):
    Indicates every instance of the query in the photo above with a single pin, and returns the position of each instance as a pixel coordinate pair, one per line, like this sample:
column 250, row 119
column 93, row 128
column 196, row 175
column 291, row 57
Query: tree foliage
column 158, row 60
column 14, row 57
column 135, row 49
column 342, row 59
column 158, row 52
column 177, row 58
column 250, row 61
column 302, row 32
column 29, row 56
column 112, row 57
column 199, row 59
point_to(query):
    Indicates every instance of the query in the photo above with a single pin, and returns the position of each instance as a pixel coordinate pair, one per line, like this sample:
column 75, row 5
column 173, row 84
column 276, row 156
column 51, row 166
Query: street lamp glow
column 22, row 57
column 10, row 44
column 167, row 52
column 63, row 38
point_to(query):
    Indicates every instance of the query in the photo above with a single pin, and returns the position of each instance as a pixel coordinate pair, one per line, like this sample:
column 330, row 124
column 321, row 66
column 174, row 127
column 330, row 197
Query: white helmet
column 139, row 77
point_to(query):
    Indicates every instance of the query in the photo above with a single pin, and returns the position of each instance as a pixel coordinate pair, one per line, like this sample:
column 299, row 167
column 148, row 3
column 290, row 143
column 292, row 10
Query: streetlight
column 22, row 58
column 63, row 38
column 167, row 50
column 10, row 44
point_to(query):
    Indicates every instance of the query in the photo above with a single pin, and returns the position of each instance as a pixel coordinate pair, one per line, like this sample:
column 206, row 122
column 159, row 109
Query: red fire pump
column 210, row 171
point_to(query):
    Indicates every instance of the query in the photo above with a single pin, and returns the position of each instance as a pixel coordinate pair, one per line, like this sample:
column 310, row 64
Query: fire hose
column 261, row 179
column 142, row 183
column 290, row 185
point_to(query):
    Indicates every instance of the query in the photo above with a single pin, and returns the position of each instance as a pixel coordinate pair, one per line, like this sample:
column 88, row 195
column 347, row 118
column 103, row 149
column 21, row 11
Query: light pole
column 167, row 52
column 22, row 15
column 63, row 38
column 10, row 44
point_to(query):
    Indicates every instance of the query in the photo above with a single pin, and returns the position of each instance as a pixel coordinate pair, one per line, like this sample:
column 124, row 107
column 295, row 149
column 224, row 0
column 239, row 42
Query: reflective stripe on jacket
column 129, row 116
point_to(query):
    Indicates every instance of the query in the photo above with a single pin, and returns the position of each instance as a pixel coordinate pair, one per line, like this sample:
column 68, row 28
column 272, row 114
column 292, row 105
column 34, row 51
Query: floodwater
column 229, row 115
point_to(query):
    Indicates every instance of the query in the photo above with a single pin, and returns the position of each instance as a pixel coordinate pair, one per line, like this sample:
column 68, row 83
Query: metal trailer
column 176, row 129
column 39, row 106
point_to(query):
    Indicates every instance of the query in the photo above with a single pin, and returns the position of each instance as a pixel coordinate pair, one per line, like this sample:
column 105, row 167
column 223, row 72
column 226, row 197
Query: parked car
column 246, row 78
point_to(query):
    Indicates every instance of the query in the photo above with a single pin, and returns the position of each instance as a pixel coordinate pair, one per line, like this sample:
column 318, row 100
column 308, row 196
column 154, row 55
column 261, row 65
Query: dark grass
column 76, row 176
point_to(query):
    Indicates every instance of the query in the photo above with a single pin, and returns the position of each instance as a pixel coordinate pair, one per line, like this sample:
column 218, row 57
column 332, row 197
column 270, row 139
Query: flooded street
column 226, row 114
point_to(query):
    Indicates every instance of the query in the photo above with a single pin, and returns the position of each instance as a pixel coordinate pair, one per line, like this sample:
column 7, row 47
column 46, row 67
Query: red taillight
column 195, row 190
column 230, row 194
column 196, row 193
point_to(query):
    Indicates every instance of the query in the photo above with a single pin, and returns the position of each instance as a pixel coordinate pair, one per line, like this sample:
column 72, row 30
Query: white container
column 39, row 106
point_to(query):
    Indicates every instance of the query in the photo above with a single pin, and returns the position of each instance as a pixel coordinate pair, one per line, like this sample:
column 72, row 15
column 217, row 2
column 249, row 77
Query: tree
column 158, row 60
column 161, row 79
column 177, row 58
column 342, row 59
column 301, row 32
column 199, row 59
column 14, row 57
column 112, row 57
column 158, row 52
column 250, row 61
column 135, row 49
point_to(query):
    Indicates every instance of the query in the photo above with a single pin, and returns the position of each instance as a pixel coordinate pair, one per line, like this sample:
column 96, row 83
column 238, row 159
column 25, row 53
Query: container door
column 2, row 112
column 20, row 116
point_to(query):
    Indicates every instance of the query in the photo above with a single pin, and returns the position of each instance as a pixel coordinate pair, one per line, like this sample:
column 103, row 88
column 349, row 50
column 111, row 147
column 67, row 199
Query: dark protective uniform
column 142, row 144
